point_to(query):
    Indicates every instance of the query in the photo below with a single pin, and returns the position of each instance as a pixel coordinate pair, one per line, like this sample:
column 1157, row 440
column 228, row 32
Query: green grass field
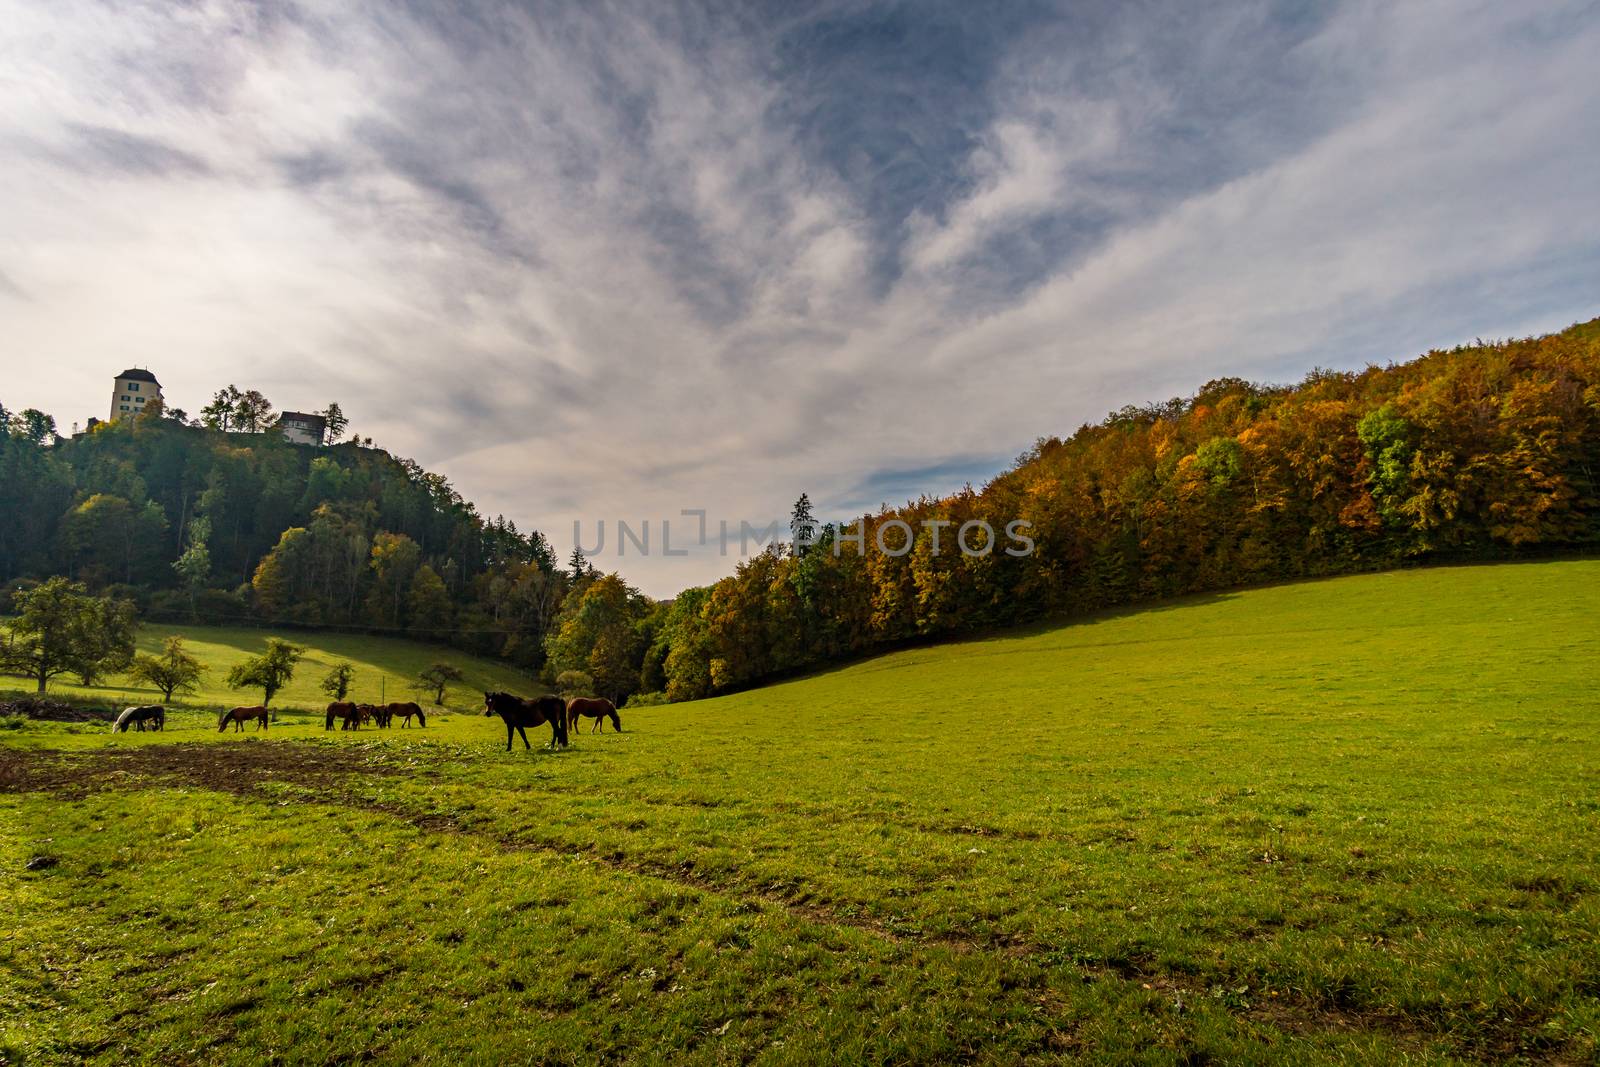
column 384, row 667
column 1346, row 821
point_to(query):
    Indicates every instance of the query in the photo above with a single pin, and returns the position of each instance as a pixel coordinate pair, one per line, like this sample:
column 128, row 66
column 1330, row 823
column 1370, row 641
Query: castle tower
column 134, row 389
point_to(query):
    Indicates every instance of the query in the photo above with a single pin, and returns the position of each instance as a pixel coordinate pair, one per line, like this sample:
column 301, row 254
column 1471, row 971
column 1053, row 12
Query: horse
column 154, row 714
column 597, row 708
column 519, row 713
column 240, row 716
column 405, row 710
column 376, row 713
column 343, row 709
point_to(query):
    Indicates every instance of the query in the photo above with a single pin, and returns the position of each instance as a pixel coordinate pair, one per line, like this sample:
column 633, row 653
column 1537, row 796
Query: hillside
column 195, row 524
column 1485, row 452
column 1347, row 820
column 1480, row 453
column 384, row 666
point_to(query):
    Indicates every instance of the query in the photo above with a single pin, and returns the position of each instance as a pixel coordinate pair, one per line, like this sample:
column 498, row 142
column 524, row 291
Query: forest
column 194, row 523
column 1483, row 452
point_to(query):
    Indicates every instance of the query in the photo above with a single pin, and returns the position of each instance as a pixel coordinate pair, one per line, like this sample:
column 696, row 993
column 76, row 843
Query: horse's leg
column 511, row 732
column 526, row 746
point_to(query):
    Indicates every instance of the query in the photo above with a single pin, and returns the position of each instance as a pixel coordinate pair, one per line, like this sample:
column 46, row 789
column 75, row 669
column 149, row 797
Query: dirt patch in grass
column 237, row 768
column 246, row 767
column 46, row 710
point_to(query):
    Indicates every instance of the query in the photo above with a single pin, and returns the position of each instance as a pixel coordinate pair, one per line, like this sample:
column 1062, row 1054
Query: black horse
column 154, row 714
column 519, row 713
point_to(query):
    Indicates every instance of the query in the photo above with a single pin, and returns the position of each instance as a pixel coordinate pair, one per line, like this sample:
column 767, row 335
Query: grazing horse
column 154, row 714
column 240, row 716
column 345, row 710
column 519, row 713
column 597, row 708
column 376, row 713
column 404, row 711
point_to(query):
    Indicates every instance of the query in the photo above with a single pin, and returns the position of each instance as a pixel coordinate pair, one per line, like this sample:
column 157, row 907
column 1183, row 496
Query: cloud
column 613, row 262
column 9, row 288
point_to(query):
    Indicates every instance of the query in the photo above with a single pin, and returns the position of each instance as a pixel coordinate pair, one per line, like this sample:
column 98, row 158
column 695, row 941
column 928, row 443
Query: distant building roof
column 304, row 419
column 139, row 374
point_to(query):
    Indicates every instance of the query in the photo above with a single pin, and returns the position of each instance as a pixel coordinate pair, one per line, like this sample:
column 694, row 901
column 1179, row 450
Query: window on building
column 124, row 407
column 138, row 400
column 133, row 387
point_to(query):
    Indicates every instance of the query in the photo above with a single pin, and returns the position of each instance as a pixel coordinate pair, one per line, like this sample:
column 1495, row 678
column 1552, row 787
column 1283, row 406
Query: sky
column 614, row 261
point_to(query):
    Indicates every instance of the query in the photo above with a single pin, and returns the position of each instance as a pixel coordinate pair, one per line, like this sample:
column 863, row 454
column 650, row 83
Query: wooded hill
column 195, row 524
column 1484, row 452
column 1489, row 451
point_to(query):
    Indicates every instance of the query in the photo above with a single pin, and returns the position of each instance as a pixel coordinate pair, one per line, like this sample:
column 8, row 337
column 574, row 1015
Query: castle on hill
column 136, row 389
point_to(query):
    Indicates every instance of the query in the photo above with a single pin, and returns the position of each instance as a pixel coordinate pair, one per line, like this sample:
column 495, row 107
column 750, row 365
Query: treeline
column 1484, row 452
column 194, row 524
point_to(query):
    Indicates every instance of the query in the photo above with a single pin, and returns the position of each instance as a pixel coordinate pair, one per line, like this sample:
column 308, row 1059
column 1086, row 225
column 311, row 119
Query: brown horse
column 345, row 710
column 519, row 714
column 405, row 710
column 378, row 714
column 154, row 714
column 597, row 708
column 240, row 716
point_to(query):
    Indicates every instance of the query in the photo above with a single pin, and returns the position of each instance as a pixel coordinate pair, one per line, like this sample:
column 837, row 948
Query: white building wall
column 299, row 434
column 129, row 397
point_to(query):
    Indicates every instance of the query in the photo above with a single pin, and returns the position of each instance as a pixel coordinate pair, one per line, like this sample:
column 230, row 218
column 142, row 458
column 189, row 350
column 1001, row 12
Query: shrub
column 575, row 684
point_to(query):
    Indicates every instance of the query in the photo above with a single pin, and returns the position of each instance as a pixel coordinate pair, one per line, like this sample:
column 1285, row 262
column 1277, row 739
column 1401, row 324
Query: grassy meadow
column 384, row 666
column 1354, row 820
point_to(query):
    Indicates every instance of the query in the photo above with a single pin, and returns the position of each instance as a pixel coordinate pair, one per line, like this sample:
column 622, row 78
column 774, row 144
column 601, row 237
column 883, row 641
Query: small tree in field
column 174, row 671
column 336, row 683
column 106, row 640
column 436, row 679
column 59, row 628
column 268, row 672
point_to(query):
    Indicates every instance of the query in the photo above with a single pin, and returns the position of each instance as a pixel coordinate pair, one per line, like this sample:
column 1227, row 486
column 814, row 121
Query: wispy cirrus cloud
column 618, row 261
